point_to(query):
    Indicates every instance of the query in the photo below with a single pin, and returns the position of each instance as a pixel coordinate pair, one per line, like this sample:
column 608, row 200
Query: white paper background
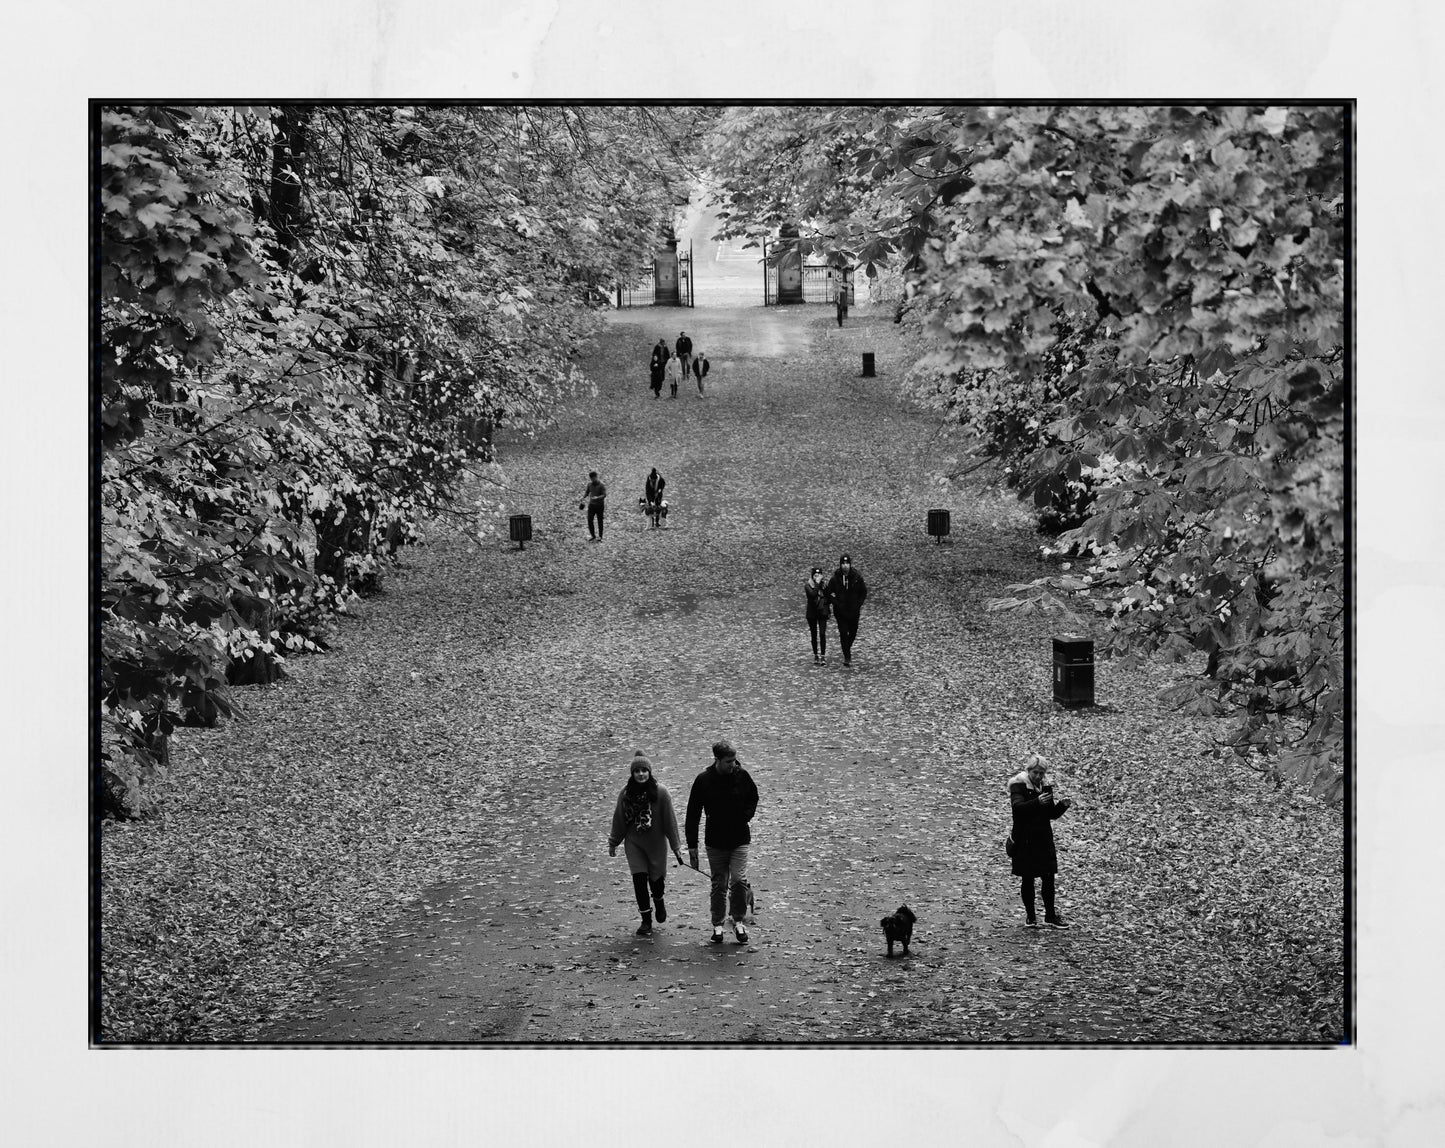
column 1388, row 1090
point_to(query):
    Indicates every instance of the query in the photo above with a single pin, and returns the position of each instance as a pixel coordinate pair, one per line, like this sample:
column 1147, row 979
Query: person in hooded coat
column 645, row 825
column 847, row 591
column 1034, row 855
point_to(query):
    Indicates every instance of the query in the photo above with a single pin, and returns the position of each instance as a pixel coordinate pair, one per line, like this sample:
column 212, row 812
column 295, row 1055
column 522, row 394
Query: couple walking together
column 645, row 824
column 843, row 595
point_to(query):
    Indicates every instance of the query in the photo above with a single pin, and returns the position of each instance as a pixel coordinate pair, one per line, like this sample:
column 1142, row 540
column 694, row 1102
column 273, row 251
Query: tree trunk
column 260, row 668
column 288, row 171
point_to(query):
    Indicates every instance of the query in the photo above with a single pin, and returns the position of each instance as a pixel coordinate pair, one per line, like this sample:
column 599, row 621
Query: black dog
column 899, row 927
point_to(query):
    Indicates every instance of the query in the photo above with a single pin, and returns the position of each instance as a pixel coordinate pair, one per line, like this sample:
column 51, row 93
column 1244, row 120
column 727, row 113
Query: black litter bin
column 938, row 524
column 521, row 527
column 868, row 365
column 1074, row 671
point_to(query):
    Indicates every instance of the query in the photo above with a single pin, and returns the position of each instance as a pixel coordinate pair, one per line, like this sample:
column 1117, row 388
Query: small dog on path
column 899, row 927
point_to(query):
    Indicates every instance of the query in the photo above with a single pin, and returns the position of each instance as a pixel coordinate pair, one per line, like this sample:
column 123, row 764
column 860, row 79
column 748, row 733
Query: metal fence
column 819, row 281
column 644, row 291
column 641, row 293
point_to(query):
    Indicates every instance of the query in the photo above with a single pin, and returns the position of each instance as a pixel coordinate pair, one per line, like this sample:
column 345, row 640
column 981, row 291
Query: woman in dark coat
column 646, row 825
column 658, row 367
column 652, row 496
column 1034, row 810
column 816, row 592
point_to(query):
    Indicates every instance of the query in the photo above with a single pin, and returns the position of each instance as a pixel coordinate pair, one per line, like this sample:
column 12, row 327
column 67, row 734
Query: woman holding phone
column 1034, row 811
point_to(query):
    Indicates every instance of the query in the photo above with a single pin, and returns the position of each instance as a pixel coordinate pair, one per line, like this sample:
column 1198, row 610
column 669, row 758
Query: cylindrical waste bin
column 521, row 528
column 938, row 523
column 1074, row 671
column 868, row 364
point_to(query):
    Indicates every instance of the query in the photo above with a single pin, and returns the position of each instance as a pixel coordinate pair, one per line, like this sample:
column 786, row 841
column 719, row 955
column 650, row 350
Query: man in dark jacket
column 700, row 369
column 594, row 498
column 726, row 793
column 684, row 351
column 1034, row 855
column 847, row 591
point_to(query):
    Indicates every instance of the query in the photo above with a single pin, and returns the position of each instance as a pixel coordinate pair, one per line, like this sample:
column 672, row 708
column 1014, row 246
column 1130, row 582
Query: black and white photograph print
column 722, row 574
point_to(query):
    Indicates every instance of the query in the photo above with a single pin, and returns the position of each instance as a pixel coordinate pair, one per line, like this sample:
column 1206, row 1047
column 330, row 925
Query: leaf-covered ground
column 406, row 841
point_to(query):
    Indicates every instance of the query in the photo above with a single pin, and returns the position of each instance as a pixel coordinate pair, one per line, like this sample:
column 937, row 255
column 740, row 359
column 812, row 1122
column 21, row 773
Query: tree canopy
column 1137, row 313
column 312, row 318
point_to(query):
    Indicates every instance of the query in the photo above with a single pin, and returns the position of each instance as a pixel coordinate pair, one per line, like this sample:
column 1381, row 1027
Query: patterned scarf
column 637, row 805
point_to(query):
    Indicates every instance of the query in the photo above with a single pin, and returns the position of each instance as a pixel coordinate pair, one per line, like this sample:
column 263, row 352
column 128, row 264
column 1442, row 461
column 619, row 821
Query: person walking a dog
column 594, row 499
column 644, row 824
column 1033, row 852
column 652, row 494
column 847, row 592
column 726, row 793
column 816, row 593
column 699, row 372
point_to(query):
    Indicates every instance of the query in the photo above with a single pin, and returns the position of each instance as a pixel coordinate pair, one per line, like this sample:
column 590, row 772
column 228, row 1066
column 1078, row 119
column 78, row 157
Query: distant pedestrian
column 727, row 795
column 847, row 592
column 700, row 369
column 594, row 499
column 644, row 824
column 657, row 368
column 652, row 495
column 1034, row 855
column 816, row 593
column 842, row 302
column 684, row 351
column 672, row 376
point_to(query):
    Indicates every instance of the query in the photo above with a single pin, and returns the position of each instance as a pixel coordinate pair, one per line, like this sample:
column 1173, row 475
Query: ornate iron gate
column 788, row 278
column 660, row 284
column 821, row 280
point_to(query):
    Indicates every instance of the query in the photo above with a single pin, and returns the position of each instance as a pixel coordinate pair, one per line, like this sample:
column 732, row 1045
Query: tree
column 311, row 318
column 1146, row 304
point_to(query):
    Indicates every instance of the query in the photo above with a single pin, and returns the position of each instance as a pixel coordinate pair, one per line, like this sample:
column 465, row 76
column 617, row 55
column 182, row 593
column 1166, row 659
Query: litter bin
column 1074, row 671
column 521, row 528
column 938, row 524
column 868, row 364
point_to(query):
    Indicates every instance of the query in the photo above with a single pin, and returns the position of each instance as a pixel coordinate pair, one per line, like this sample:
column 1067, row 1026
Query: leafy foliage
column 1139, row 313
column 312, row 321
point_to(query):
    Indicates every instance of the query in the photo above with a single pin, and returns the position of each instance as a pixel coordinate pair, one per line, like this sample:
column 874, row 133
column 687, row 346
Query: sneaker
column 1031, row 923
column 717, row 936
column 740, row 931
column 1055, row 920
column 645, row 929
column 660, row 909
